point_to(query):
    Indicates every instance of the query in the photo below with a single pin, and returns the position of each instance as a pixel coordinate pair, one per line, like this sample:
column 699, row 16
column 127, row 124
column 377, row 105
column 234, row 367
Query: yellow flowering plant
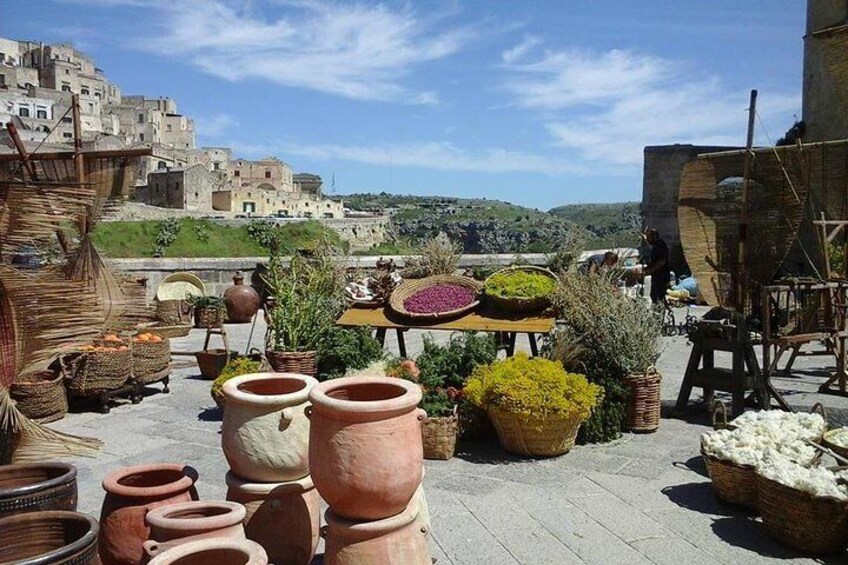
column 534, row 386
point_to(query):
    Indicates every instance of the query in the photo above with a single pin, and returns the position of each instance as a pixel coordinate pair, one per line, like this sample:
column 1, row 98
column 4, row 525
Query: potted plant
column 308, row 297
column 235, row 368
column 347, row 349
column 535, row 406
column 209, row 311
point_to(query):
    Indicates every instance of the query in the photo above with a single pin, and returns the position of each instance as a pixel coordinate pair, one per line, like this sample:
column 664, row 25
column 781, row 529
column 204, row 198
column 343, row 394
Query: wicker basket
column 173, row 312
column 168, row 332
column 208, row 317
column 91, row 373
column 517, row 304
column 835, row 447
column 149, row 359
column 643, row 409
column 439, row 436
column 179, row 286
column 802, row 521
column 535, row 436
column 411, row 287
column 41, row 396
column 303, row 362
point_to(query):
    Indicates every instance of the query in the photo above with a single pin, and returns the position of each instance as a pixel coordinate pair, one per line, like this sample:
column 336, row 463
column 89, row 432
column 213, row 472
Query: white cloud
column 214, row 126
column 438, row 155
column 519, row 51
column 607, row 106
column 359, row 51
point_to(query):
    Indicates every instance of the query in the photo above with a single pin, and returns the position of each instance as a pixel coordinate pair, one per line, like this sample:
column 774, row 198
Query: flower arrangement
column 237, row 367
column 520, row 284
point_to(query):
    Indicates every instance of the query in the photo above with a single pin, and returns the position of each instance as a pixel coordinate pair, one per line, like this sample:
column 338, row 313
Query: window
column 248, row 195
column 2, row 79
column 97, row 95
column 267, row 173
column 67, row 72
column 91, row 107
column 168, row 127
column 216, row 166
column 23, row 112
column 196, row 195
column 67, row 120
column 178, row 185
column 141, row 118
column 85, row 90
column 162, row 165
column 66, row 88
column 141, row 137
column 41, row 114
column 67, row 135
column 237, row 173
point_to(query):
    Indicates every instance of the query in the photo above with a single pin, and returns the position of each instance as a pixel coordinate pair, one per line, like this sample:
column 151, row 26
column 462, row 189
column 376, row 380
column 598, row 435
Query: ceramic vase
column 241, row 300
column 54, row 537
column 284, row 518
column 131, row 492
column 366, row 455
column 265, row 434
column 184, row 522
column 213, row 551
column 30, row 487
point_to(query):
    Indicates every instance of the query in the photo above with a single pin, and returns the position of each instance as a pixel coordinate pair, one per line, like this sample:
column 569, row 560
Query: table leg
column 401, row 343
column 534, row 348
column 380, row 336
column 510, row 346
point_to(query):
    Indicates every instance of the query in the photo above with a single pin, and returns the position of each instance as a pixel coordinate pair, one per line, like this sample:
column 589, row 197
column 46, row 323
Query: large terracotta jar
column 183, row 522
column 284, row 518
column 365, row 451
column 265, row 434
column 131, row 492
column 214, row 551
column 398, row 539
column 30, row 487
column 241, row 300
column 49, row 538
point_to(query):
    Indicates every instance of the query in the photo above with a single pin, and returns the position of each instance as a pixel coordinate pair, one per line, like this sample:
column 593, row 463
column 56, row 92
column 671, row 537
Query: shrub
column 237, row 367
column 346, row 349
column 520, row 284
column 439, row 256
column 450, row 365
column 533, row 387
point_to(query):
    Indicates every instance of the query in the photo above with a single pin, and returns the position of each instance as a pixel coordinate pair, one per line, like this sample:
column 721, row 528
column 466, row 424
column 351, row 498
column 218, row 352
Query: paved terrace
column 642, row 499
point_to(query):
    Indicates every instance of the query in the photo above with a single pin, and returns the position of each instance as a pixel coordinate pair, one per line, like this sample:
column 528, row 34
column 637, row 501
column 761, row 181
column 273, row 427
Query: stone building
column 188, row 188
column 153, row 120
column 307, row 182
column 265, row 174
column 267, row 202
column 825, row 106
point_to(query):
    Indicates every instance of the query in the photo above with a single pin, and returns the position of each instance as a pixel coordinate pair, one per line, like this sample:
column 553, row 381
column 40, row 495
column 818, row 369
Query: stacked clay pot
column 185, row 522
column 217, row 551
column 366, row 460
column 265, row 439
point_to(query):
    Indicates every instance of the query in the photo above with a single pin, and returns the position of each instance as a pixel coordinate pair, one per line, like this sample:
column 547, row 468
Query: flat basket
column 839, row 449
column 179, row 286
column 303, row 362
column 535, row 436
column 411, row 287
column 520, row 304
column 40, row 396
column 803, row 521
column 644, row 405
column 439, row 436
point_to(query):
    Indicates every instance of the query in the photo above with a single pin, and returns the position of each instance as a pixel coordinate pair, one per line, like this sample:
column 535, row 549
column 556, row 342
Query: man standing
column 658, row 267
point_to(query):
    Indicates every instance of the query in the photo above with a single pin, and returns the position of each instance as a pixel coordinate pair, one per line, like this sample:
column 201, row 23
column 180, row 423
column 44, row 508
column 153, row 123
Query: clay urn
column 213, row 551
column 284, row 518
column 265, row 433
column 241, row 300
column 365, row 450
column 183, row 522
column 131, row 492
column 30, row 487
column 397, row 539
column 54, row 537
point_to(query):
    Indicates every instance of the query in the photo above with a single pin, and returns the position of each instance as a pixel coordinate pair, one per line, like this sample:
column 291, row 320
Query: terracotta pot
column 212, row 361
column 365, row 449
column 265, row 434
column 284, row 518
column 398, row 539
column 131, row 492
column 184, row 522
column 49, row 538
column 214, row 551
column 241, row 300
column 31, row 487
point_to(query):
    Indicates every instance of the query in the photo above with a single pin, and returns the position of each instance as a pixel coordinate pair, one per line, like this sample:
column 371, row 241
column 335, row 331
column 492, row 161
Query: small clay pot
column 31, row 487
column 131, row 492
column 397, row 539
column 214, row 551
column 366, row 455
column 184, row 522
column 241, row 300
column 265, row 433
column 54, row 537
column 284, row 518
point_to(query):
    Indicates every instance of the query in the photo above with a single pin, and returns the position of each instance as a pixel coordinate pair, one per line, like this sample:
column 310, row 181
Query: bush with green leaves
column 451, row 364
column 165, row 236
column 344, row 349
column 235, row 368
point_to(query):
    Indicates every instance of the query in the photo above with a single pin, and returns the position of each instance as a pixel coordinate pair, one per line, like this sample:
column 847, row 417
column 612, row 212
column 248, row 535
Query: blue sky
column 540, row 103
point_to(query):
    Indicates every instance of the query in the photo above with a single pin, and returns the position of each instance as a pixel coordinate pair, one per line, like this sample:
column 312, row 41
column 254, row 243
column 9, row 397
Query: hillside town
column 37, row 81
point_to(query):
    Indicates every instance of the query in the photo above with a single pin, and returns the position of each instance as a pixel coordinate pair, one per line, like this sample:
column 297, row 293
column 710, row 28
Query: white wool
column 818, row 481
column 839, row 437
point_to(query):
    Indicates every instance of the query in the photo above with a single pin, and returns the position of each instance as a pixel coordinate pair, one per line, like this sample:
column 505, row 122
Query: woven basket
column 208, row 317
column 643, row 409
column 91, row 373
column 517, row 304
column 173, row 312
column 149, row 358
column 179, row 286
column 535, row 436
column 41, row 396
column 411, row 287
column 169, row 332
column 303, row 362
column 439, row 436
column 835, row 447
column 802, row 521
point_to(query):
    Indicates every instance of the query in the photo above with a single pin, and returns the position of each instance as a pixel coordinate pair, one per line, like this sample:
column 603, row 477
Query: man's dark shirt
column 660, row 278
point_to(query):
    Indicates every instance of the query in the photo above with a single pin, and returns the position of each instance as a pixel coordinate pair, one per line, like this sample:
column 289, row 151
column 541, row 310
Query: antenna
column 333, row 183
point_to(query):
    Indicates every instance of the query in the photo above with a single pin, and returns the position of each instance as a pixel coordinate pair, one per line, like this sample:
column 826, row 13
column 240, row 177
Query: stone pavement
column 641, row 499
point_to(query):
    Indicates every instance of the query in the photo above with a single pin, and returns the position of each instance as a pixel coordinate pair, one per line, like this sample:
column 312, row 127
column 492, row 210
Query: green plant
column 201, row 232
column 439, row 256
column 451, row 364
column 165, row 236
column 567, row 254
column 520, row 284
column 837, row 259
column 203, row 301
column 344, row 349
column 534, row 386
column 237, row 367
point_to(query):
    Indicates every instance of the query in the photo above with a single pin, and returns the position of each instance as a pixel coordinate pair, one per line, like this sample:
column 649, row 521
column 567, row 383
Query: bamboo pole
column 79, row 160
column 19, row 145
column 741, row 273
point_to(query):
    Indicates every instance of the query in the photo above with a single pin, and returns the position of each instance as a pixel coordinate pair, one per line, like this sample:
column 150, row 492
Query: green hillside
column 611, row 225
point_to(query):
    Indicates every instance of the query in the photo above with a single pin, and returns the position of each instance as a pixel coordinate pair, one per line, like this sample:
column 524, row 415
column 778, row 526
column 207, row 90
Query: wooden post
column 19, row 145
column 741, row 273
column 79, row 160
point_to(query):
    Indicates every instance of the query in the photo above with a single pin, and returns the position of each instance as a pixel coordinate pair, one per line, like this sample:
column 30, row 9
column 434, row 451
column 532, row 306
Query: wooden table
column 481, row 320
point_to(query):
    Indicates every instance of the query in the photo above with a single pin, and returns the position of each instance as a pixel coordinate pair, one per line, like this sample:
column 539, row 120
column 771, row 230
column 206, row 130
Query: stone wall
column 661, row 190
column 217, row 274
column 826, row 70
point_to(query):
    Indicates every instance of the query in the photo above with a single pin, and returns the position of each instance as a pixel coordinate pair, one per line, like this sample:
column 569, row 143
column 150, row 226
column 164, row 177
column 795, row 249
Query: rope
column 779, row 160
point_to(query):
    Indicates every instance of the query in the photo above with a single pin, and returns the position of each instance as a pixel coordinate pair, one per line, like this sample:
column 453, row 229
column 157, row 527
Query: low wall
column 217, row 274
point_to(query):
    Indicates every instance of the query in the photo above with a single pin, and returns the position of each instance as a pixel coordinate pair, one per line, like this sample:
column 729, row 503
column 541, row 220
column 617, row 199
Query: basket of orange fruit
column 151, row 354
column 101, row 366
